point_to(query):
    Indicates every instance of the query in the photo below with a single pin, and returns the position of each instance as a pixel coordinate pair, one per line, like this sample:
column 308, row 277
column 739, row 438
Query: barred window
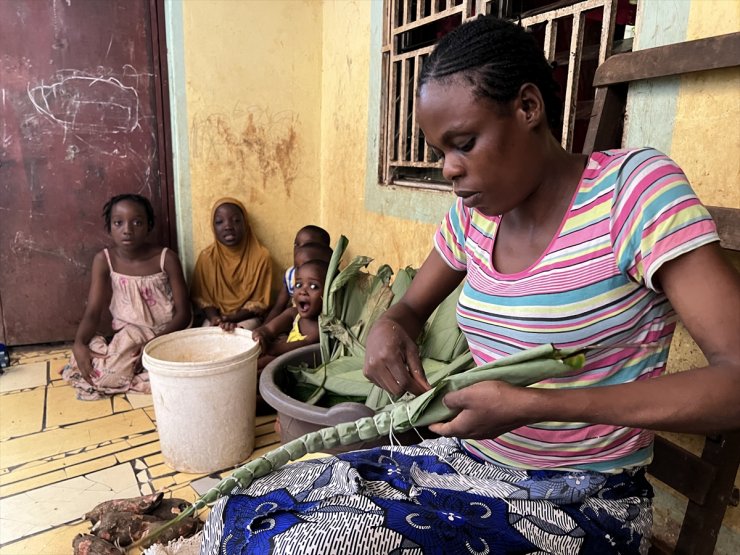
column 576, row 36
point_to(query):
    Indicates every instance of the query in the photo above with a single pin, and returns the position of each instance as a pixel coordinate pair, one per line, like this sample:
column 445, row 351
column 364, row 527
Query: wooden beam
column 702, row 521
column 605, row 128
column 674, row 59
column 681, row 470
column 728, row 226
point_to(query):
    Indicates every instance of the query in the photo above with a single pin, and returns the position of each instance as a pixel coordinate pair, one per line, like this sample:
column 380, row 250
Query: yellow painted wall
column 706, row 134
column 277, row 106
column 344, row 145
column 253, row 72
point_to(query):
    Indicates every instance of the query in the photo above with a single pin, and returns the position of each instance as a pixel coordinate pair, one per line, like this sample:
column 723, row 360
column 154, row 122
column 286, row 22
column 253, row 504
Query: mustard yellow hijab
column 231, row 278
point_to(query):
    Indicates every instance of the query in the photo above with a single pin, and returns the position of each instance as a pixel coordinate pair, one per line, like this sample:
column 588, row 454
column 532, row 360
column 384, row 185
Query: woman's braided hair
column 497, row 57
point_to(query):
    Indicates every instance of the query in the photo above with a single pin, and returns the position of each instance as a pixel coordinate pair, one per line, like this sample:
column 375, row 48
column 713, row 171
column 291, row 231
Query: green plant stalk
column 522, row 369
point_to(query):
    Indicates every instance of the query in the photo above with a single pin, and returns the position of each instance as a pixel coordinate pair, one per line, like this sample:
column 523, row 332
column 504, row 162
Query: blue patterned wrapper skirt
column 432, row 498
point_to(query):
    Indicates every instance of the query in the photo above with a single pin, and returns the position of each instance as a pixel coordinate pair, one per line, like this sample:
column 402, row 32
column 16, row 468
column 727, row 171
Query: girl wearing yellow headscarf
column 232, row 278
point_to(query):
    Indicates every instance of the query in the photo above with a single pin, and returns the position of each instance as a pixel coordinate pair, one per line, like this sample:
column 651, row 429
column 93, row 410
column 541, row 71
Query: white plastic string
column 408, row 416
column 392, row 439
column 391, row 434
column 393, row 442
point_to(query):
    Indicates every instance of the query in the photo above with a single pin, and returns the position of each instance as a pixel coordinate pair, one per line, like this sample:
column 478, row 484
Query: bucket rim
column 174, row 366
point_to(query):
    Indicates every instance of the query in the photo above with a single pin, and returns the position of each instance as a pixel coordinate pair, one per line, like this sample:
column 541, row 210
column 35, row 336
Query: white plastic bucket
column 204, row 387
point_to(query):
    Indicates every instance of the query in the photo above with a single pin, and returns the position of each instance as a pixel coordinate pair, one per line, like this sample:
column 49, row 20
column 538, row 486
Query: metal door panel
column 78, row 91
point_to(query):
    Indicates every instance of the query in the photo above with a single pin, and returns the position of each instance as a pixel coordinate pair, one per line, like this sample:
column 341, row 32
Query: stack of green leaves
column 353, row 301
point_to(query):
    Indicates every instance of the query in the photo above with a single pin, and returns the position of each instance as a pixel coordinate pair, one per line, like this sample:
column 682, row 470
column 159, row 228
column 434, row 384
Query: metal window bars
column 411, row 27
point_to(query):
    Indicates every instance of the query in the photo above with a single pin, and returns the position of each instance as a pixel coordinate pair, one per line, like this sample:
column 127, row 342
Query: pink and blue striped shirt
column 594, row 284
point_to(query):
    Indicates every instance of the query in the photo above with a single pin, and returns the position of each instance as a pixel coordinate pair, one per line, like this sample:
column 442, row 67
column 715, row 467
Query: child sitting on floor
column 144, row 287
column 232, row 278
column 311, row 242
column 298, row 325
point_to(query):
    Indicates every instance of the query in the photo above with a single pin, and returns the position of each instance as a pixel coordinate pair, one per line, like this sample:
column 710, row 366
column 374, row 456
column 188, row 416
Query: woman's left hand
column 487, row 410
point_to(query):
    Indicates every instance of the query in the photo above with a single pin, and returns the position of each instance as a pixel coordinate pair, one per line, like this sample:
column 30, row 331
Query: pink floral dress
column 141, row 307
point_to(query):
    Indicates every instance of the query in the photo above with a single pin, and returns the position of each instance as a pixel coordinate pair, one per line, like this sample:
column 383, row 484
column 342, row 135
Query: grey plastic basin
column 298, row 418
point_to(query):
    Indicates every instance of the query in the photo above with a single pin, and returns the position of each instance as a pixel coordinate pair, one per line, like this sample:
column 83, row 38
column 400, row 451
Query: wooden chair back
column 706, row 480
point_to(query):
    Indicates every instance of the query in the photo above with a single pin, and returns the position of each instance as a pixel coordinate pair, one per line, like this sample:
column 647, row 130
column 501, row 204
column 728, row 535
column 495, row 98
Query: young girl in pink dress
column 143, row 286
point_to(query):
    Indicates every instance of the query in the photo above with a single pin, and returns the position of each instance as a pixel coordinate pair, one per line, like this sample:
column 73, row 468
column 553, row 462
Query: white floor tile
column 66, row 501
column 23, row 376
column 139, row 400
column 202, row 485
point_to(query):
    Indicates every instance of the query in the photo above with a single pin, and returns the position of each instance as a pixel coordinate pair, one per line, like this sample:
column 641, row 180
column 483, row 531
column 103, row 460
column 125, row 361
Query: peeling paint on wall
column 249, row 142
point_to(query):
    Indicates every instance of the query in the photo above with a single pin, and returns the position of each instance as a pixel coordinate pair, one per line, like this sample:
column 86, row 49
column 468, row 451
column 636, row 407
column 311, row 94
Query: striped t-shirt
column 633, row 211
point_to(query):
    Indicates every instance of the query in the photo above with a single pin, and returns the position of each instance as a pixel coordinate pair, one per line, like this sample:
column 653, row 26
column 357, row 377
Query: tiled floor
column 59, row 457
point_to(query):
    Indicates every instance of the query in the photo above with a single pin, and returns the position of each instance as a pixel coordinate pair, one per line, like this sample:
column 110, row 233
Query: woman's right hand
column 392, row 359
column 391, row 354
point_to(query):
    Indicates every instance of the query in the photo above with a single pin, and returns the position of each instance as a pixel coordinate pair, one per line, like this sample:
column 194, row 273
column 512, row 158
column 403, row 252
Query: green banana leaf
column 442, row 338
column 343, row 378
column 329, row 300
column 401, row 283
column 353, row 301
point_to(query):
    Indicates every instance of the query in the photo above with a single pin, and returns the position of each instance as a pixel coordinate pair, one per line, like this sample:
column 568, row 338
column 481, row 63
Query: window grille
column 570, row 31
